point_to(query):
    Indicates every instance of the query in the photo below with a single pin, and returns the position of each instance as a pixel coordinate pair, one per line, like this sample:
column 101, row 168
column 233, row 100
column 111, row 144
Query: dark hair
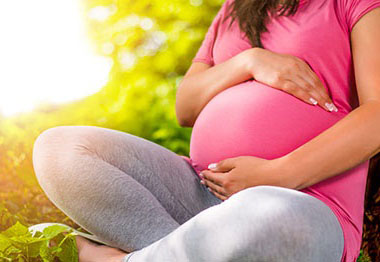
column 252, row 16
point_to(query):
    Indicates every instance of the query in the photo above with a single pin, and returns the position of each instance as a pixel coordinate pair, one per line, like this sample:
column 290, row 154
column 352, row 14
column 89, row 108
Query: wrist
column 245, row 61
column 251, row 60
column 287, row 173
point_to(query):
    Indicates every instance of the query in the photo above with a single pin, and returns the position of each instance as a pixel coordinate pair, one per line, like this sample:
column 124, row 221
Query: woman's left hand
column 232, row 175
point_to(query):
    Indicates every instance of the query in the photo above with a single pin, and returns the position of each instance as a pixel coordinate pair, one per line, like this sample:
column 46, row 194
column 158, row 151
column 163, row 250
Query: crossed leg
column 143, row 198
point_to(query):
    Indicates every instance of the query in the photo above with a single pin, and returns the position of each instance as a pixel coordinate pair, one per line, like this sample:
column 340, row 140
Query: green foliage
column 152, row 43
column 54, row 243
column 363, row 257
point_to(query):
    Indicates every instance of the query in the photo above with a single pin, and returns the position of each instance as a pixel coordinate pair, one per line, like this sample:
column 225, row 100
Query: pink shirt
column 252, row 118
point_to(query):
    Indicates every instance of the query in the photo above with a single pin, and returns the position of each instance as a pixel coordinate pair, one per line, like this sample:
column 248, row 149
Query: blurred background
column 108, row 63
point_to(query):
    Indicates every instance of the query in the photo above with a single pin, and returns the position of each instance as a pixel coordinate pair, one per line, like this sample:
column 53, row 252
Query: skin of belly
column 254, row 119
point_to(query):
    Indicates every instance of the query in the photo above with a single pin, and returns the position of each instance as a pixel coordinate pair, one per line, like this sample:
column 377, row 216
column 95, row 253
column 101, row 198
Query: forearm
column 196, row 90
column 348, row 143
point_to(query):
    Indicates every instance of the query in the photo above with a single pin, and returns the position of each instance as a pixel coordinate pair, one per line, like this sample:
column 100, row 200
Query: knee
column 251, row 206
column 52, row 151
column 265, row 203
column 270, row 210
column 261, row 219
column 43, row 149
column 259, row 200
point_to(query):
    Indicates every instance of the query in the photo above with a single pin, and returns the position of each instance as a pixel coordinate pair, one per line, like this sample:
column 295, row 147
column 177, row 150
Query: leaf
column 26, row 239
column 4, row 243
column 54, row 230
column 45, row 252
column 17, row 229
column 35, row 247
column 69, row 250
column 12, row 250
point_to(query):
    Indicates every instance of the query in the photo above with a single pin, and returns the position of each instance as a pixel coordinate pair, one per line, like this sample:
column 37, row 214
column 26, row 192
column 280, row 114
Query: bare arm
column 281, row 71
column 202, row 82
column 348, row 143
column 355, row 138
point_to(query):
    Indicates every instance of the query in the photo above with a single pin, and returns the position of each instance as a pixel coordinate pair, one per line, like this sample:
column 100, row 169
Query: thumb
column 223, row 165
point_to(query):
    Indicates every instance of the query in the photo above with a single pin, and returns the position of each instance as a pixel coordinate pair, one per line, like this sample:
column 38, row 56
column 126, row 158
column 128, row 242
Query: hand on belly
column 254, row 119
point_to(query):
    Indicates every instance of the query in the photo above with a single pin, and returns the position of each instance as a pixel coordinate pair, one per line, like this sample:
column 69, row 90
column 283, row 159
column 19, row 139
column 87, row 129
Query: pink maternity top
column 251, row 118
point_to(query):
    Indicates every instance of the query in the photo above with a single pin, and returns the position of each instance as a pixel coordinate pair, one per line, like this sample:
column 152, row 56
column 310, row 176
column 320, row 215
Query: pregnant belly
column 254, row 119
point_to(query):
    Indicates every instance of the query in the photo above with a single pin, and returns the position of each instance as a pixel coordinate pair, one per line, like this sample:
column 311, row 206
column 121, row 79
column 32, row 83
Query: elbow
column 182, row 113
column 183, row 121
column 186, row 123
column 180, row 120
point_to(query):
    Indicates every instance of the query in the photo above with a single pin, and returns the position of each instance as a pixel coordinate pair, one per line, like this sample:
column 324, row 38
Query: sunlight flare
column 45, row 55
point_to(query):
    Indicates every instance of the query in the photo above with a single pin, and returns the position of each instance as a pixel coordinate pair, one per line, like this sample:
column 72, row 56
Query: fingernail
column 313, row 101
column 212, row 166
column 201, row 175
column 202, row 182
column 329, row 106
column 335, row 108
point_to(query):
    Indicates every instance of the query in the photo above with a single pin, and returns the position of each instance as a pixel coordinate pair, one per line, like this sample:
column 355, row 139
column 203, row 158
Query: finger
column 225, row 165
column 310, row 91
column 222, row 197
column 215, row 177
column 311, row 78
column 323, row 102
column 298, row 91
column 308, row 75
column 302, row 89
column 314, row 84
column 215, row 187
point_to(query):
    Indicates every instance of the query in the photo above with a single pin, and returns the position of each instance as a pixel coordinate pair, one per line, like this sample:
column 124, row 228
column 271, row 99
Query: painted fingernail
column 202, row 182
column 329, row 106
column 313, row 101
column 335, row 108
column 212, row 165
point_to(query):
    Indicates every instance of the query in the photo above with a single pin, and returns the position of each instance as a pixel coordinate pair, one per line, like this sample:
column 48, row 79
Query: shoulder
column 351, row 11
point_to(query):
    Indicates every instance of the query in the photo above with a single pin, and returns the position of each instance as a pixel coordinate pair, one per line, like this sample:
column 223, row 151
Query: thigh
column 164, row 173
column 257, row 224
column 287, row 225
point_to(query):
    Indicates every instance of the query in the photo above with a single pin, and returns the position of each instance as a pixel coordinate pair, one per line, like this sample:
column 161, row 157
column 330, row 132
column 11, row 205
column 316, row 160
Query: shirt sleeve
column 204, row 53
column 355, row 9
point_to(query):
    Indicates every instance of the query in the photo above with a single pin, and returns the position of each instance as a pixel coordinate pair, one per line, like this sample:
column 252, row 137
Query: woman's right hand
column 289, row 74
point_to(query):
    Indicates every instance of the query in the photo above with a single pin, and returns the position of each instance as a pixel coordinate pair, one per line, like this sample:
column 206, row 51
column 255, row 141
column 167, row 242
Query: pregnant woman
column 272, row 174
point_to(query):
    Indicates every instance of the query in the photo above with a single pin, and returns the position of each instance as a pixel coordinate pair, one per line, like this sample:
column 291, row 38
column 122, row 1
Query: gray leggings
column 145, row 199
